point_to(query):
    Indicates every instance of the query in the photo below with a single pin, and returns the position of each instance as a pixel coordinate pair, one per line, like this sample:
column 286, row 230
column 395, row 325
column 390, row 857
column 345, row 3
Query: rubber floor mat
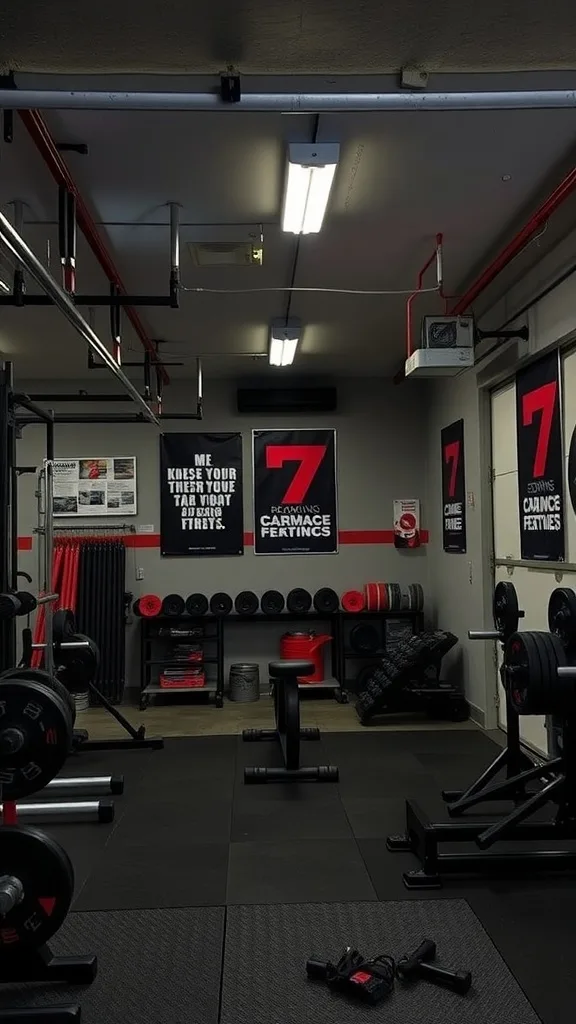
column 154, row 967
column 267, row 947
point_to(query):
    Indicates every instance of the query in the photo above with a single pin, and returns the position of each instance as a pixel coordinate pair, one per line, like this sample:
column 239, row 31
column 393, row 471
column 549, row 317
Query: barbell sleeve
column 567, row 670
column 66, row 645
column 47, row 598
column 483, row 634
column 11, row 892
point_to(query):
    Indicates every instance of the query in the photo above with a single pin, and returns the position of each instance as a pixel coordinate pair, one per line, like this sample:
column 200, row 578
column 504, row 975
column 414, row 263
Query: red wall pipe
column 520, row 240
column 40, row 135
column 419, row 285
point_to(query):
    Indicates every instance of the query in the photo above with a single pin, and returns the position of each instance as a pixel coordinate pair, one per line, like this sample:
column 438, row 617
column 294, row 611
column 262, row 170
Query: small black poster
column 453, row 488
column 540, row 463
column 201, row 504
column 295, row 507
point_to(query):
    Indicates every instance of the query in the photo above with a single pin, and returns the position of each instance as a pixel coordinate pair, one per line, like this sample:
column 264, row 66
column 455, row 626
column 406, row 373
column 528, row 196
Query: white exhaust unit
column 447, row 347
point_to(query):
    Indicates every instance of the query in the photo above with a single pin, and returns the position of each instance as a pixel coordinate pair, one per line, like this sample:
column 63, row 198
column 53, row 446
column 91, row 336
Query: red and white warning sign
column 407, row 523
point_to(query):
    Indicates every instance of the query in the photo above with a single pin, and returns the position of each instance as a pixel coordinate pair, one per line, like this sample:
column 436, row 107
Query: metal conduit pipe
column 286, row 103
column 12, row 241
column 40, row 135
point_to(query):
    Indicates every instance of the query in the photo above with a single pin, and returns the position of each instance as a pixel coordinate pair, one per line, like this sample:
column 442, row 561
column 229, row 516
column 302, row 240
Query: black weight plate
column 221, row 604
column 365, row 638
column 28, row 602
column 47, row 878
column 63, row 625
column 298, row 601
column 78, row 668
column 246, row 603
column 395, row 597
column 38, row 675
column 35, row 718
column 505, row 609
column 197, row 604
column 272, row 602
column 173, row 605
column 564, row 690
column 326, row 601
column 562, row 615
column 416, row 592
column 136, row 607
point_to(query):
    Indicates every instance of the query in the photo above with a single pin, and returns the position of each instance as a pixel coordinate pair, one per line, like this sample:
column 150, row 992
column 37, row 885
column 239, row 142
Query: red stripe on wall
column 152, row 540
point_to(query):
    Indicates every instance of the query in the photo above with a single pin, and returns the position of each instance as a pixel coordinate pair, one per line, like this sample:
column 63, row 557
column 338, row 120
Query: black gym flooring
column 206, row 896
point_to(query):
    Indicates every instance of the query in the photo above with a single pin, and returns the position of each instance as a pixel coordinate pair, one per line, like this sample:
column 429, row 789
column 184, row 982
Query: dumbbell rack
column 152, row 660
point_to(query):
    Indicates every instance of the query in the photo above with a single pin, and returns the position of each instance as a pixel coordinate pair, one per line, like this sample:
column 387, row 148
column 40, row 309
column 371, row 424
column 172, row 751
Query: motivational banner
column 453, row 488
column 201, row 504
column 540, row 463
column 295, row 506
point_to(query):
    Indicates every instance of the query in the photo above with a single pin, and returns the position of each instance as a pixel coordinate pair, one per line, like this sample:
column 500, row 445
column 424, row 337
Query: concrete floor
column 206, row 720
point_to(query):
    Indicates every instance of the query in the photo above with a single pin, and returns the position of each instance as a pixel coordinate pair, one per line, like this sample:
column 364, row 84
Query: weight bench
column 284, row 678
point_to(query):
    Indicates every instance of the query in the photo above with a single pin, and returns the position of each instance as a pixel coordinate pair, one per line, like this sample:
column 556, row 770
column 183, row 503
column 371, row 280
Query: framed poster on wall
column 540, row 462
column 95, row 487
column 295, row 493
column 201, row 502
column 453, row 488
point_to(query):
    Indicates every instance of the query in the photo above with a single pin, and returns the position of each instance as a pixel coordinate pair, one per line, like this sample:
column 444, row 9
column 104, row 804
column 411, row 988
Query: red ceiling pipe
column 435, row 257
column 515, row 246
column 38, row 130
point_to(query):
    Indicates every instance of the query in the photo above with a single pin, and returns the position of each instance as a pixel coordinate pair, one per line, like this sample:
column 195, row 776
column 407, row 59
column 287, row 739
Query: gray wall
column 381, row 456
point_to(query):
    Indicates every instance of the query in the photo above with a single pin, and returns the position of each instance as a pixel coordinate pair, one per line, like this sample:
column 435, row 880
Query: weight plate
column 149, row 606
column 35, row 736
column 197, row 604
column 221, row 604
column 533, row 688
column 272, row 602
column 47, row 877
column 299, row 601
column 136, row 607
column 326, row 601
column 63, row 625
column 562, row 615
column 365, row 638
column 28, row 602
column 173, row 606
column 9, row 606
column 416, row 596
column 78, row 668
column 38, row 675
column 505, row 609
column 353, row 601
column 246, row 603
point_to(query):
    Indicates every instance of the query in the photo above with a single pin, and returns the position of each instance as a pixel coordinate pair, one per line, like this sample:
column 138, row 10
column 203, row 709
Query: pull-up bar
column 15, row 244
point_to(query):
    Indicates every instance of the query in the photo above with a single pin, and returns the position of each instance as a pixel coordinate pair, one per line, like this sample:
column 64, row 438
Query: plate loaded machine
column 513, row 759
column 36, row 875
column 284, row 677
column 15, row 602
column 539, row 676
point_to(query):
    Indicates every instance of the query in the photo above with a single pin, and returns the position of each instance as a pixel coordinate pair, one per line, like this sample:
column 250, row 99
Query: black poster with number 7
column 453, row 488
column 540, row 463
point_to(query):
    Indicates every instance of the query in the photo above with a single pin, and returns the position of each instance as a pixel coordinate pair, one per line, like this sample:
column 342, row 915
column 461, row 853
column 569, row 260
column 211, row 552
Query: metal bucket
column 244, row 683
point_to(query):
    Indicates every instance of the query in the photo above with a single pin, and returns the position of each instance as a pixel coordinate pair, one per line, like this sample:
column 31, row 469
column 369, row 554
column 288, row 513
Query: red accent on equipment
column 353, row 601
column 149, row 606
column 193, row 677
column 376, row 597
column 9, row 813
column 47, row 903
column 305, row 647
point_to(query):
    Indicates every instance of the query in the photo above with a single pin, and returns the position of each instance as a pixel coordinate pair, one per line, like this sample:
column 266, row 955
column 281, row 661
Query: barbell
column 22, row 602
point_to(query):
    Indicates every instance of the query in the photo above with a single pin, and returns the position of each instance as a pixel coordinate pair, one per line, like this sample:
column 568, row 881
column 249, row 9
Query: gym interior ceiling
column 475, row 176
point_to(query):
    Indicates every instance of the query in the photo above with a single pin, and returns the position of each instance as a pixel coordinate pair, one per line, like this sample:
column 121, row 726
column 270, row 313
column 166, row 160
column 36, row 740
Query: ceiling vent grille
column 225, row 254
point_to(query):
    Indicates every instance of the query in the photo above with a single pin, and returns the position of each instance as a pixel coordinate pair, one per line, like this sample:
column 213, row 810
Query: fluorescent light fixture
column 284, row 337
column 4, row 287
column 311, row 170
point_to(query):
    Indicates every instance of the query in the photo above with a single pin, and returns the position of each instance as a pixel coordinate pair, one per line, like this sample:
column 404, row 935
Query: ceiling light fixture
column 284, row 338
column 4, row 287
column 311, row 170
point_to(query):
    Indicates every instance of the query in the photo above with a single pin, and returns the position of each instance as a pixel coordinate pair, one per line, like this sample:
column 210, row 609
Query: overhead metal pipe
column 287, row 103
column 40, row 135
column 12, row 241
column 91, row 300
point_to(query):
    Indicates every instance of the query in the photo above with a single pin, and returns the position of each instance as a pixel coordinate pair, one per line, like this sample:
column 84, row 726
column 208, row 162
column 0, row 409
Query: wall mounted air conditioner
column 447, row 347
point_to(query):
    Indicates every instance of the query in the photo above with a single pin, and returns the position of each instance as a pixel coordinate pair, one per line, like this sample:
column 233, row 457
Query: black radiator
column 100, row 610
